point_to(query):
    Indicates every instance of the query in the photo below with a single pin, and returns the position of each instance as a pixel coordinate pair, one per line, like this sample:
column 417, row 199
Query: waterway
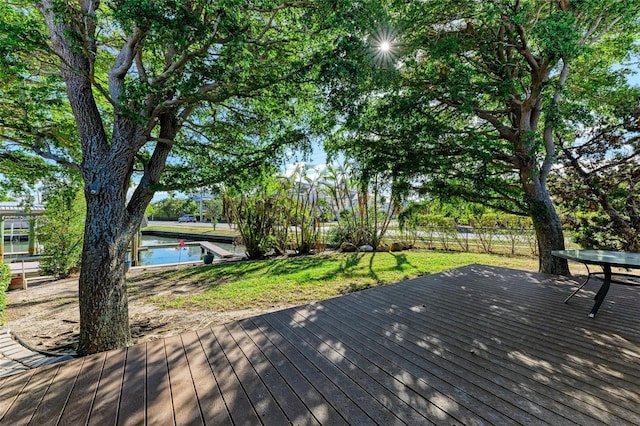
column 173, row 253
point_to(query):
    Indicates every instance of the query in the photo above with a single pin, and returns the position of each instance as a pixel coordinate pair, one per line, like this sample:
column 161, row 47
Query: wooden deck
column 15, row 358
column 476, row 345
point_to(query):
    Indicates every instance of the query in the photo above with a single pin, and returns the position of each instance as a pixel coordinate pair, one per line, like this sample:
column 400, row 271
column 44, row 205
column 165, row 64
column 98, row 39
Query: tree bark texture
column 547, row 225
column 107, row 166
column 546, row 221
column 104, row 314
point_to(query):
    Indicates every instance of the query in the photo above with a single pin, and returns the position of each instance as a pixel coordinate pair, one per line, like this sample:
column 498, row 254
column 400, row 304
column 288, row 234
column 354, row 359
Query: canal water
column 173, row 253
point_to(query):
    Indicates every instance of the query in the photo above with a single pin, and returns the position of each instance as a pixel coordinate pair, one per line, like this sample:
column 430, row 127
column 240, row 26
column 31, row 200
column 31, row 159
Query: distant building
column 15, row 216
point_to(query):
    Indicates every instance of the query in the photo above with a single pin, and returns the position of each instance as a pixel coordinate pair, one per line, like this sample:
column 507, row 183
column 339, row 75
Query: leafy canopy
column 480, row 91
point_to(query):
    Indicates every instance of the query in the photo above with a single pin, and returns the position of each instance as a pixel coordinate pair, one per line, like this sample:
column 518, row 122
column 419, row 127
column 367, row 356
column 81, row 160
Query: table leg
column 581, row 285
column 602, row 293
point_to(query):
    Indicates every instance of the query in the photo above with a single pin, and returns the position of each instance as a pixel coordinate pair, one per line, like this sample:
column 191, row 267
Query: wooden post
column 135, row 250
column 32, row 236
column 24, row 277
column 1, row 238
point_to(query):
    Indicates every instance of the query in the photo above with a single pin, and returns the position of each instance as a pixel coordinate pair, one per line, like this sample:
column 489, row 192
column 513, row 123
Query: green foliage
column 61, row 228
column 594, row 230
column 171, row 208
column 558, row 34
column 5, row 280
column 303, row 194
column 479, row 96
column 180, row 94
column 214, row 211
column 255, row 216
column 599, row 185
column 361, row 204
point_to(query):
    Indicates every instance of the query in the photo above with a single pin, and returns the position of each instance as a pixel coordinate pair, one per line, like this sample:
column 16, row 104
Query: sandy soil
column 46, row 315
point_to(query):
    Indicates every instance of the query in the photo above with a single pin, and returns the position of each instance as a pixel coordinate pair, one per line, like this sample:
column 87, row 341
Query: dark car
column 187, row 218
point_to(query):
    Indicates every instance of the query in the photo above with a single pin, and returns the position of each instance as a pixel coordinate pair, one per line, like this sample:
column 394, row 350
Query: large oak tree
column 475, row 94
column 128, row 89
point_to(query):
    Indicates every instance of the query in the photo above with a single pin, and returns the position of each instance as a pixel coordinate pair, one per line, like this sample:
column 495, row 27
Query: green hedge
column 5, row 279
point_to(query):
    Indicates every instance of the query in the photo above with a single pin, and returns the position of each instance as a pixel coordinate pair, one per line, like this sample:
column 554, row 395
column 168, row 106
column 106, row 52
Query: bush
column 62, row 228
column 5, row 279
column 254, row 215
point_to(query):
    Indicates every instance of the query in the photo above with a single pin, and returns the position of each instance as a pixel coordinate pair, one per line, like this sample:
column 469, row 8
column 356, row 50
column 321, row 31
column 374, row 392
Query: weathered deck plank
column 338, row 389
column 464, row 372
column 372, row 377
column 317, row 405
column 78, row 407
column 233, row 394
column 159, row 408
column 30, row 397
column 134, row 386
column 295, row 411
column 57, row 395
column 259, row 396
column 11, row 389
column 210, row 401
column 528, row 339
column 476, row 345
column 183, row 394
column 107, row 398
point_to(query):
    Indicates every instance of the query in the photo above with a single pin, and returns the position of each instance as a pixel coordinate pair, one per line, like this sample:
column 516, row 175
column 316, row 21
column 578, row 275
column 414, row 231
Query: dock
column 215, row 250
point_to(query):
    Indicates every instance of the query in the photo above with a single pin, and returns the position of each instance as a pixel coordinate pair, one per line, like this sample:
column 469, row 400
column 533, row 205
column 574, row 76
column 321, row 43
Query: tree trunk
column 104, row 313
column 547, row 224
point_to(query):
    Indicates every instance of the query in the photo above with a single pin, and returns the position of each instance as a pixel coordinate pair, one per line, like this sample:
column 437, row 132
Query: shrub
column 254, row 215
column 62, row 228
column 5, row 279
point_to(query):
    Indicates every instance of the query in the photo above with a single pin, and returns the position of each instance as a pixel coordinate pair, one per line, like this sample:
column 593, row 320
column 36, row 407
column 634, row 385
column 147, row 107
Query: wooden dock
column 216, row 250
column 476, row 345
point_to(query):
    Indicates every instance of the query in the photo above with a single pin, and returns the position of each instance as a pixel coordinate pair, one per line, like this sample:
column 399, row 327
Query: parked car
column 187, row 218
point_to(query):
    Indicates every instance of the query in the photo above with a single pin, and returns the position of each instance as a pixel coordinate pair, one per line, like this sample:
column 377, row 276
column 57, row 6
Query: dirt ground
column 46, row 315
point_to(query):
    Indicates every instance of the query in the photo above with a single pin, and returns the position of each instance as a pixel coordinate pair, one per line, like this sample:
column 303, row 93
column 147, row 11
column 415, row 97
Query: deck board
column 107, row 398
column 159, row 408
column 11, row 389
column 212, row 406
column 295, row 410
column 420, row 384
column 317, row 405
column 30, row 397
column 57, row 395
column 231, row 389
column 468, row 373
column 370, row 371
column 78, row 407
column 475, row 345
column 342, row 392
column 134, row 385
column 259, row 395
column 183, row 393
column 571, row 383
column 494, row 358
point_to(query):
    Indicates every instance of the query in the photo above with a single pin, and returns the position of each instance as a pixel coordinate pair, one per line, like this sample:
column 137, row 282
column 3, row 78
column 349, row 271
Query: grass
column 192, row 230
column 298, row 280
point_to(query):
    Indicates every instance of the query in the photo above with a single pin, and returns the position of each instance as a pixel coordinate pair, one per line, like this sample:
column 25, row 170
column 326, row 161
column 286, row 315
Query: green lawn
column 297, row 280
column 192, row 230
